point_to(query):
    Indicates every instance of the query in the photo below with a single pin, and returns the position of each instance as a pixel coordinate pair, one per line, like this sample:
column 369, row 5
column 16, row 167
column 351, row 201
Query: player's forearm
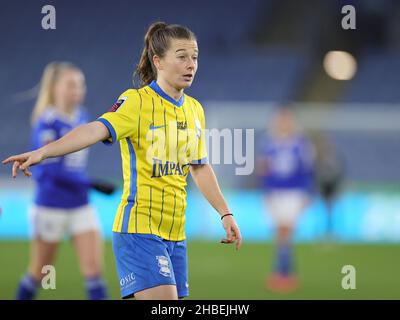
column 77, row 139
column 205, row 179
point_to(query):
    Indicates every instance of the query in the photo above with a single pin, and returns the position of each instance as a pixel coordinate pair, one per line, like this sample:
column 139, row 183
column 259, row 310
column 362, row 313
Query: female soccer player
column 62, row 184
column 161, row 135
column 286, row 171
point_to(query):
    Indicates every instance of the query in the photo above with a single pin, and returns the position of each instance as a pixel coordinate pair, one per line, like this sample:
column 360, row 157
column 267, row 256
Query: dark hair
column 157, row 42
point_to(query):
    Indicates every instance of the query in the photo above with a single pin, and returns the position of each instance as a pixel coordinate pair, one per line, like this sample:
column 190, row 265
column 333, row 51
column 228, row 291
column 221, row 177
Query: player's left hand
column 232, row 232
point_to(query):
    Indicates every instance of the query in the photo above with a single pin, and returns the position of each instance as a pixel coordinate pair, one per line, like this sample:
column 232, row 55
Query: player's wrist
column 225, row 215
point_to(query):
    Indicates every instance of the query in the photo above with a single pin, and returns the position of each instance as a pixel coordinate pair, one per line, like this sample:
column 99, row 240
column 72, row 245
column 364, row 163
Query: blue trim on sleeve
column 132, row 188
column 200, row 161
column 153, row 85
column 110, row 129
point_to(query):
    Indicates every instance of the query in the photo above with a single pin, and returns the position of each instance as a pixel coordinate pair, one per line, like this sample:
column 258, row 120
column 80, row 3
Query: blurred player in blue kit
column 61, row 204
column 286, row 168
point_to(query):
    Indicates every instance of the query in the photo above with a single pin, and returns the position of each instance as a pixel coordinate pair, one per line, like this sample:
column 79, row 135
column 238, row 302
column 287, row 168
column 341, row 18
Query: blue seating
column 377, row 79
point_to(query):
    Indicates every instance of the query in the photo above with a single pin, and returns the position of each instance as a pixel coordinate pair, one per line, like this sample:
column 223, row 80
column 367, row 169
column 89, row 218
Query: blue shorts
column 146, row 260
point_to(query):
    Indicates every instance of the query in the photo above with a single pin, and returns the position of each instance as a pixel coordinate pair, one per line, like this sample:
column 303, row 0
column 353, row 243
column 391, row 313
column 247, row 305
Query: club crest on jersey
column 181, row 125
column 118, row 104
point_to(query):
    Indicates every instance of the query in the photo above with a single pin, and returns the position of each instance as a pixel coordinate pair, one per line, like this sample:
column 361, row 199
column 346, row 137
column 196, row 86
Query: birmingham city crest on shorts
column 163, row 263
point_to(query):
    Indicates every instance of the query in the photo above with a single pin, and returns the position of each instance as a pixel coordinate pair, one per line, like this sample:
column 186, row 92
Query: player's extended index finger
column 19, row 157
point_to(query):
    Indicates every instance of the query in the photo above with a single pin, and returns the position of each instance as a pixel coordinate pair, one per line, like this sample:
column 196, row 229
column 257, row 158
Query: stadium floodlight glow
column 340, row 65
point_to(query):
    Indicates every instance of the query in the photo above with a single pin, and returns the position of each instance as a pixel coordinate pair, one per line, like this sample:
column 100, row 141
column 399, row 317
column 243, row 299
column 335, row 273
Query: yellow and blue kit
column 159, row 139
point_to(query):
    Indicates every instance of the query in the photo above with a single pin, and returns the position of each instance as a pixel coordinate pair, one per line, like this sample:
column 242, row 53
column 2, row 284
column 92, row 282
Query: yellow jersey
column 159, row 139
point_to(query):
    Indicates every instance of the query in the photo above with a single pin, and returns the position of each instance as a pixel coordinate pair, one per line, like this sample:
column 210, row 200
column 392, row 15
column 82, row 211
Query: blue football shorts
column 145, row 261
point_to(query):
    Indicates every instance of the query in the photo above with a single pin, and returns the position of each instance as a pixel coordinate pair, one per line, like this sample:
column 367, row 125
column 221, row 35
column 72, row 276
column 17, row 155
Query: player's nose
column 191, row 64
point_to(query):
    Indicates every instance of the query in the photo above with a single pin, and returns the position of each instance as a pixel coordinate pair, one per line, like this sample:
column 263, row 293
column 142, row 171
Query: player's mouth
column 188, row 77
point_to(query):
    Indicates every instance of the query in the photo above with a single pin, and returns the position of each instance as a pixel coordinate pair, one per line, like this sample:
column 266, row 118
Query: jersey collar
column 153, row 85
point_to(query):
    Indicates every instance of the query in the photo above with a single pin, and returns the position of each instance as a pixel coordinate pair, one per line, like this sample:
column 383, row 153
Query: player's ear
column 157, row 62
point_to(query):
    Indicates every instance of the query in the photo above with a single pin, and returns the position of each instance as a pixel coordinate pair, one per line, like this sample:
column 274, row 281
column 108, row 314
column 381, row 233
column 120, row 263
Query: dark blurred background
column 253, row 53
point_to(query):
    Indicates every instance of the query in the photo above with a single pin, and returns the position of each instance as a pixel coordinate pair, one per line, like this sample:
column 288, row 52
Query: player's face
column 285, row 124
column 179, row 65
column 70, row 88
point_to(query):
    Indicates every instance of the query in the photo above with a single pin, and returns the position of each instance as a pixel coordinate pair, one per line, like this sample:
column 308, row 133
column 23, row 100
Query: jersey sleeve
column 121, row 119
column 201, row 156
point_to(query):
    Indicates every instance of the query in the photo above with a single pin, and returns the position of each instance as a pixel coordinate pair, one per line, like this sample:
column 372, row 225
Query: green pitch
column 217, row 271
